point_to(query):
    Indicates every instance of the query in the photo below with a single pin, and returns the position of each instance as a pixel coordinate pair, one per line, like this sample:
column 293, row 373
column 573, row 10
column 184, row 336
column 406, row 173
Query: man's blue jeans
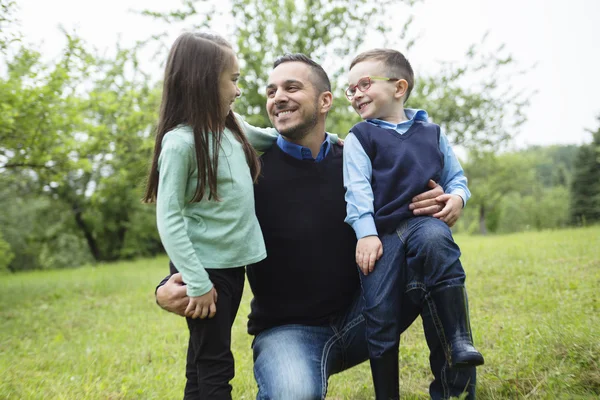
column 294, row 362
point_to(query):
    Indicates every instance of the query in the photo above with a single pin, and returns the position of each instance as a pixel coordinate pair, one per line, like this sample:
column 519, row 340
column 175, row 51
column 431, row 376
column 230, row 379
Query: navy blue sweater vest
column 402, row 167
column 309, row 275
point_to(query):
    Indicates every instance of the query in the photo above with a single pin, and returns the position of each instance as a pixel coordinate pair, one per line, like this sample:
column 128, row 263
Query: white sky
column 562, row 37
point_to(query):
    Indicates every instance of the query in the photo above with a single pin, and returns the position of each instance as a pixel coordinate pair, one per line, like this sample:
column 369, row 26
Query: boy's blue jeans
column 417, row 257
column 295, row 361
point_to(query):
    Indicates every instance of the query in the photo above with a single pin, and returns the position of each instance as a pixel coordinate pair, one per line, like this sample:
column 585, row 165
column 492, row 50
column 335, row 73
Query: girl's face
column 228, row 81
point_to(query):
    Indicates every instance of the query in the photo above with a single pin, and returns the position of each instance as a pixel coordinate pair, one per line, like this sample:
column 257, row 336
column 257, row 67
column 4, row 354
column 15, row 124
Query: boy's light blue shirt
column 358, row 170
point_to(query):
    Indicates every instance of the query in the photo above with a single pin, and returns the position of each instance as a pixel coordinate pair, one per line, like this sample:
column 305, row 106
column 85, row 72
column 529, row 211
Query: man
column 306, row 312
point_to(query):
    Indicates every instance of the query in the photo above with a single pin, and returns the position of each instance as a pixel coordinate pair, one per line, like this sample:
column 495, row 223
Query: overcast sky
column 561, row 37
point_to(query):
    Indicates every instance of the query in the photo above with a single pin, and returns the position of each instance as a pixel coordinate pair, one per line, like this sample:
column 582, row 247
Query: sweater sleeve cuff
column 462, row 194
column 199, row 291
column 333, row 137
column 365, row 226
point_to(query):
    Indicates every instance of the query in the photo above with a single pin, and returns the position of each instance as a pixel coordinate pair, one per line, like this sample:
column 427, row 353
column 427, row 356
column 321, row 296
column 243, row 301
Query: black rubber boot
column 453, row 311
column 385, row 376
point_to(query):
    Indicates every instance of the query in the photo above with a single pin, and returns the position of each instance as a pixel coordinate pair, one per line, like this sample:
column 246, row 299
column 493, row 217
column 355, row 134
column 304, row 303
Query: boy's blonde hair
column 396, row 64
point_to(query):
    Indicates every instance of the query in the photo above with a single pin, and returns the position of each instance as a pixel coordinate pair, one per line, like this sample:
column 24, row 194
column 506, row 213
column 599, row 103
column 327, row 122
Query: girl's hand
column 202, row 306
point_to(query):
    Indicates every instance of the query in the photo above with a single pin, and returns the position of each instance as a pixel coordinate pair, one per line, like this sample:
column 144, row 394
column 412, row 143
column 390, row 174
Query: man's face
column 292, row 100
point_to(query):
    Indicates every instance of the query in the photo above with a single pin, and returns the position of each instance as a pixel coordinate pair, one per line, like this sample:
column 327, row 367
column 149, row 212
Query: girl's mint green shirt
column 208, row 233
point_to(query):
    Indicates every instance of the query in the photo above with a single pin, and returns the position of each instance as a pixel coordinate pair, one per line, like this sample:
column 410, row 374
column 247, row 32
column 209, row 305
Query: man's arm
column 433, row 202
column 260, row 138
column 454, row 182
column 453, row 178
column 171, row 294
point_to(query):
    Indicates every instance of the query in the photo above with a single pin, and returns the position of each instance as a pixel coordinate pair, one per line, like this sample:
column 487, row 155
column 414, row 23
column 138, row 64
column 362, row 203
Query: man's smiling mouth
column 284, row 113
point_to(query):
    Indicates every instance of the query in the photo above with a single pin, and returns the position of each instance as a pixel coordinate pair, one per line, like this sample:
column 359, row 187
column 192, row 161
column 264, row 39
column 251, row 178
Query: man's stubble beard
column 300, row 131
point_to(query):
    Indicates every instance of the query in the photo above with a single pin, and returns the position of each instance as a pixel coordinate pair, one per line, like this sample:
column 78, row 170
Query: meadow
column 96, row 333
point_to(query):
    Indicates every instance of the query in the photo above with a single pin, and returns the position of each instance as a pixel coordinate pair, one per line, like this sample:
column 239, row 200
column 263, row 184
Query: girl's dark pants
column 210, row 365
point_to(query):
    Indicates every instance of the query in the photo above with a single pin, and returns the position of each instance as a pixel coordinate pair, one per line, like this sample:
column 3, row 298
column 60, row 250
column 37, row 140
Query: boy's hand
column 452, row 208
column 368, row 250
column 202, row 306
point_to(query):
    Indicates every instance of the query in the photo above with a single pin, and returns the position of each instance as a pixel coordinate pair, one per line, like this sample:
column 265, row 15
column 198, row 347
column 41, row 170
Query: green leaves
column 77, row 131
column 585, row 188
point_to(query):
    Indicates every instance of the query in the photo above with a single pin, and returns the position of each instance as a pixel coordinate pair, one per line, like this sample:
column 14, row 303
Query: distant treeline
column 533, row 189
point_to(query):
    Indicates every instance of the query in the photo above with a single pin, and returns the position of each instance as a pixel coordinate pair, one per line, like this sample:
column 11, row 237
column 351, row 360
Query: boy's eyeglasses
column 364, row 84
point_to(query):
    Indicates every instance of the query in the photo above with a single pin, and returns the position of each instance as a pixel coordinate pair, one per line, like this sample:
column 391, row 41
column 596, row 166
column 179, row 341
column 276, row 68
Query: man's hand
column 202, row 306
column 368, row 250
column 452, row 208
column 426, row 203
column 172, row 296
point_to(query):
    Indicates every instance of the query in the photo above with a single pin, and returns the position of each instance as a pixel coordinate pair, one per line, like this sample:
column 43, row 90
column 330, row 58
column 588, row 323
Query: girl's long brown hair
column 191, row 97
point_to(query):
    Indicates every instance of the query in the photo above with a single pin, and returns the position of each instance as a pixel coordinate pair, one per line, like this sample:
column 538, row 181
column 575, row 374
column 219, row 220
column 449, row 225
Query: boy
column 388, row 160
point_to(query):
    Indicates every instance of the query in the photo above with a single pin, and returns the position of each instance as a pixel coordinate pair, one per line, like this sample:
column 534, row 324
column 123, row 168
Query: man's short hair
column 319, row 77
column 397, row 65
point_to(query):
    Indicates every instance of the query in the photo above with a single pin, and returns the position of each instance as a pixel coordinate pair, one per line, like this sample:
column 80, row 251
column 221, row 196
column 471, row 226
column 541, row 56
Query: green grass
column 95, row 333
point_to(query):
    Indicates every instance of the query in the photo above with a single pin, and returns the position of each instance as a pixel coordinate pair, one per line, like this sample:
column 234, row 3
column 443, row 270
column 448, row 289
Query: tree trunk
column 86, row 232
column 482, row 227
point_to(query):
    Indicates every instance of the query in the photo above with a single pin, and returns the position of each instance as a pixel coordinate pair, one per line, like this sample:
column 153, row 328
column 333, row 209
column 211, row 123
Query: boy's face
column 382, row 100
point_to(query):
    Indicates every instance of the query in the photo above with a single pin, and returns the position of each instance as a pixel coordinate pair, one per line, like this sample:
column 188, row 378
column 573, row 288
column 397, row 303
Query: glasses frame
column 369, row 78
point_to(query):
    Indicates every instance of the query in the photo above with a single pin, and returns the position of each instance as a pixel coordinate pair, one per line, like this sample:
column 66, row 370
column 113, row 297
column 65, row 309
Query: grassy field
column 95, row 333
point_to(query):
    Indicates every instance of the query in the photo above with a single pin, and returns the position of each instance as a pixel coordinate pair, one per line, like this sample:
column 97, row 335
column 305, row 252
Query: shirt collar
column 303, row 153
column 411, row 113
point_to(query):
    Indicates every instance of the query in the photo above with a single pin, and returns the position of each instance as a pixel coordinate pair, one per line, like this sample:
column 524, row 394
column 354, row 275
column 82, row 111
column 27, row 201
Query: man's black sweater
column 310, row 274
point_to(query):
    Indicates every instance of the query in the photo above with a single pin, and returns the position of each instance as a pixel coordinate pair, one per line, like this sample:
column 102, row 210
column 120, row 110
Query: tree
column 7, row 19
column 492, row 178
column 6, row 254
column 585, row 189
column 78, row 129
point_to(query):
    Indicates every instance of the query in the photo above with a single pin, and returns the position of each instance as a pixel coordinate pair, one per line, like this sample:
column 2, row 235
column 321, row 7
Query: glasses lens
column 364, row 84
column 350, row 92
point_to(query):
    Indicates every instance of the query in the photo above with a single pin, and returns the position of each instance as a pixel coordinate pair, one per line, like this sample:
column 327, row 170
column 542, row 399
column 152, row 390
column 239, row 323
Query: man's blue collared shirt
column 358, row 169
column 303, row 153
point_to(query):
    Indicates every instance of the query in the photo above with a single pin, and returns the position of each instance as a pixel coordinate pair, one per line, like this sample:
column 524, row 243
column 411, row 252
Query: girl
column 202, row 178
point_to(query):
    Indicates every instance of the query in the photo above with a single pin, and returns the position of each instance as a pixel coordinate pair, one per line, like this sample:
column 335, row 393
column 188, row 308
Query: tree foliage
column 585, row 188
column 8, row 35
column 491, row 177
column 473, row 100
column 77, row 132
column 520, row 190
